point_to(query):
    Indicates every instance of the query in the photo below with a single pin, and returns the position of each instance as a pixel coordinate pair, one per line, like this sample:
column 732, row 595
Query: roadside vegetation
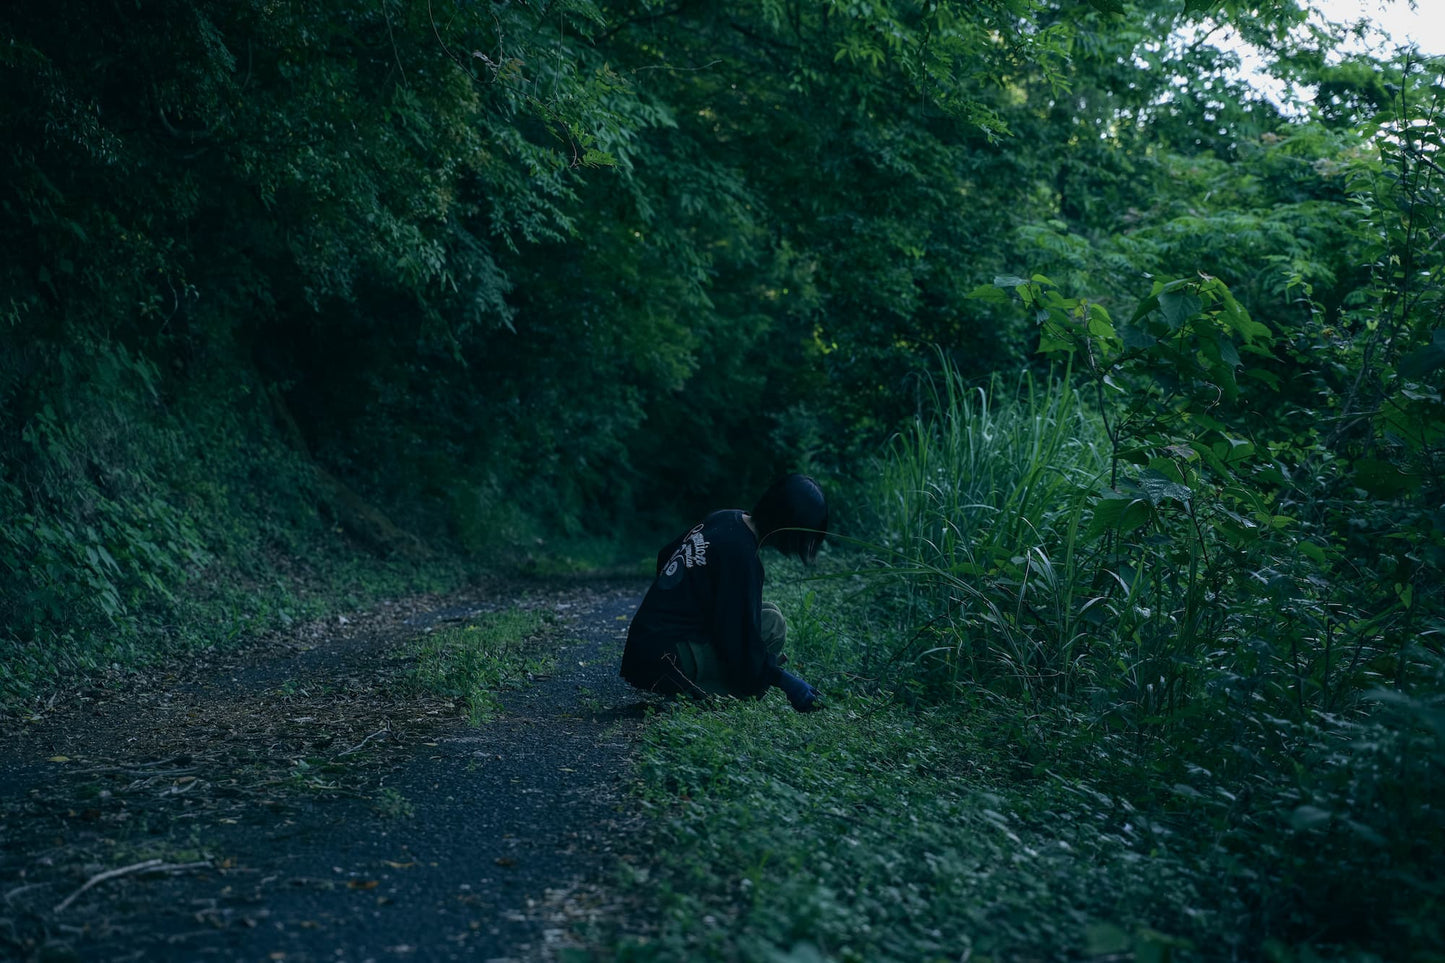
column 472, row 663
column 1136, row 656
column 1040, row 744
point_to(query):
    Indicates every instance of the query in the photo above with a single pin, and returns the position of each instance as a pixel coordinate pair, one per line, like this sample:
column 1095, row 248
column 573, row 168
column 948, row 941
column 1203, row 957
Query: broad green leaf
column 1227, row 353
column 1178, row 307
column 1119, row 513
column 1424, row 361
column 1159, row 488
column 1099, row 325
column 989, row 292
column 1210, row 457
column 1136, row 337
column 1268, row 377
column 1382, row 479
column 1232, row 451
column 1144, row 308
column 1053, row 339
column 1309, row 817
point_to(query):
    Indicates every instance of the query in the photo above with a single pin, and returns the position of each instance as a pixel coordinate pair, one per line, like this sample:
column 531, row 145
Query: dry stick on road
column 379, row 732
column 145, row 866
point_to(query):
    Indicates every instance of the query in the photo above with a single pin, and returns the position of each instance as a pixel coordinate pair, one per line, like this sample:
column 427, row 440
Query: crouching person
column 703, row 627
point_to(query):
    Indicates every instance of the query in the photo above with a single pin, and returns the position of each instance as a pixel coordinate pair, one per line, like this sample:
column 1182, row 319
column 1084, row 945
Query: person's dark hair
column 792, row 503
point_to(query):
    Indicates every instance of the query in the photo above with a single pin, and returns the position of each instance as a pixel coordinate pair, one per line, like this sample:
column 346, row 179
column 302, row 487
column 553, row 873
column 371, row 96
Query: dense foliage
column 1127, row 377
column 455, row 275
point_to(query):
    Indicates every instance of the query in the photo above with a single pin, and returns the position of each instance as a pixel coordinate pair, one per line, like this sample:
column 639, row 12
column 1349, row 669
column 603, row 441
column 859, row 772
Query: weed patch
column 473, row 662
column 391, row 804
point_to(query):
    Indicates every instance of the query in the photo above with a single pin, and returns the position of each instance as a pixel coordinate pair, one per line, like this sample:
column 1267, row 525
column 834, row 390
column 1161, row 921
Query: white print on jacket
column 692, row 551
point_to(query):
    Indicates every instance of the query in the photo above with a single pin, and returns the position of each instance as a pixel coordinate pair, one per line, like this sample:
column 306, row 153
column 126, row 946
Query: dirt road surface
column 295, row 801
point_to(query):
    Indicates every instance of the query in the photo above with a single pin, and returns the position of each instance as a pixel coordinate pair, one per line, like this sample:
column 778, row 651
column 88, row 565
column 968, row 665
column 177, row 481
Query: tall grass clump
column 978, row 508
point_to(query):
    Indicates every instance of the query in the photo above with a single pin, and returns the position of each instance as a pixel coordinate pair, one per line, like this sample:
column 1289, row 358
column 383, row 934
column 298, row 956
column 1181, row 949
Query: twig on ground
column 355, row 748
column 182, row 788
column 102, row 877
column 143, row 771
column 21, row 889
column 145, row 866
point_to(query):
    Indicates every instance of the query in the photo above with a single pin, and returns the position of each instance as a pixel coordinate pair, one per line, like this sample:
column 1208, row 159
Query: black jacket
column 709, row 588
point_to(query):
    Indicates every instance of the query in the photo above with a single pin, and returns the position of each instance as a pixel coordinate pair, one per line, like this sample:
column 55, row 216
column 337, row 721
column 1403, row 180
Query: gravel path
column 290, row 803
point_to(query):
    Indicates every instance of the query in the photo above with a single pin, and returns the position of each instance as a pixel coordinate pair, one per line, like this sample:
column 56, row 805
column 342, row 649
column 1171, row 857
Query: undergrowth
column 145, row 521
column 1062, row 725
column 879, row 830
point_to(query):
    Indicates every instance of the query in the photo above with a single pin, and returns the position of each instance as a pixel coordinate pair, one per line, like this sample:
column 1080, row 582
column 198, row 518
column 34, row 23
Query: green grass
column 977, row 511
column 474, row 662
column 871, row 832
column 988, row 828
column 224, row 609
